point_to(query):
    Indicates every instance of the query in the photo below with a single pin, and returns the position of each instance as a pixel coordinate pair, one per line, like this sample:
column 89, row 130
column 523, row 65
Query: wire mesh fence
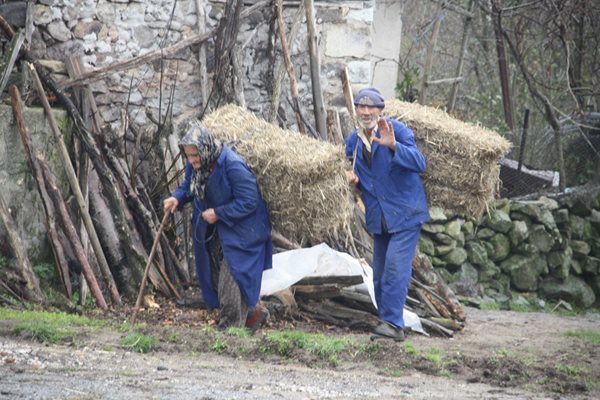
column 533, row 164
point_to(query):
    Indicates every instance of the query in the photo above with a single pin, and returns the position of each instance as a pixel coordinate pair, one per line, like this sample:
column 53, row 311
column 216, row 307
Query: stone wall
column 522, row 251
column 19, row 189
column 108, row 31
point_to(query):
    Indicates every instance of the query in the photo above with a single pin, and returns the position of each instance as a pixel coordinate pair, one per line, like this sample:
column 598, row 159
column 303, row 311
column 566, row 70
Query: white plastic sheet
column 291, row 266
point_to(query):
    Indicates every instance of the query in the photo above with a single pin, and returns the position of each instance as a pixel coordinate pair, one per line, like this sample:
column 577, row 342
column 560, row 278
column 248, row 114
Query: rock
column 444, row 239
column 580, row 249
column 485, row 233
column 561, row 217
column 476, row 253
column 437, row 215
column 518, row 233
column 497, row 220
column 426, row 245
column 560, row 262
column 432, row 228
column 594, row 219
column 488, row 271
column 456, row 256
column 576, row 226
column 501, row 284
column 591, row 265
column 536, row 210
column 501, row 247
column 453, row 229
column 468, row 229
column 442, row 250
column 572, row 289
column 539, row 237
column 519, row 303
column 523, row 271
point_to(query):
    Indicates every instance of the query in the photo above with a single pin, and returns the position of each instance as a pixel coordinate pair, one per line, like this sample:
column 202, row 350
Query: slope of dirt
column 499, row 355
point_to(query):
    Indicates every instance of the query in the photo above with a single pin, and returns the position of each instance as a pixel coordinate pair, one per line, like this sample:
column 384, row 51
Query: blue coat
column 392, row 186
column 244, row 227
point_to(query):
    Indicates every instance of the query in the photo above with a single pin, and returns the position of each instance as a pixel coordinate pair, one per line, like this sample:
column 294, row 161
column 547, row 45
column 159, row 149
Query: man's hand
column 170, row 204
column 352, row 178
column 210, row 216
column 387, row 134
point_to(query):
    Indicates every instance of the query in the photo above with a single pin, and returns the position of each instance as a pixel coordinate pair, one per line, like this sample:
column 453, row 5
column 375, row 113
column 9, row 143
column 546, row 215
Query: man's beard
column 370, row 126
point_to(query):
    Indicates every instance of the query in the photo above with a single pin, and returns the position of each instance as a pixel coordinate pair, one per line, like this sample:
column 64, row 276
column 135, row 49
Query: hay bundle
column 462, row 159
column 301, row 179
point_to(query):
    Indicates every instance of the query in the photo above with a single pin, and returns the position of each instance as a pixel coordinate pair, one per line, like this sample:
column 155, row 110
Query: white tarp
column 291, row 266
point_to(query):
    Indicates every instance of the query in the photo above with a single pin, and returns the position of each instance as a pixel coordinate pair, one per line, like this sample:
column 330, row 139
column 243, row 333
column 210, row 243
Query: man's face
column 367, row 116
column 191, row 153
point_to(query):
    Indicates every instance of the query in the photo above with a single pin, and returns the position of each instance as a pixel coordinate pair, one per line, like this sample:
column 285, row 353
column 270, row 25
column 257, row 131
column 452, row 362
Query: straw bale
column 462, row 172
column 302, row 179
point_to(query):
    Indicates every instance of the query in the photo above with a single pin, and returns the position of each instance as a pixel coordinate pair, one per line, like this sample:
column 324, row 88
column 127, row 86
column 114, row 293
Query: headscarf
column 209, row 150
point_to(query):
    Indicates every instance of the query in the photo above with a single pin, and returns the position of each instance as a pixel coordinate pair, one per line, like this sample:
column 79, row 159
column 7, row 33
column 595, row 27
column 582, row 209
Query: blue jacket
column 244, row 227
column 391, row 187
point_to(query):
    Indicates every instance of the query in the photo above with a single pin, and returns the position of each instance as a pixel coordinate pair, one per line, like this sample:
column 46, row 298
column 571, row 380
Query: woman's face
column 191, row 153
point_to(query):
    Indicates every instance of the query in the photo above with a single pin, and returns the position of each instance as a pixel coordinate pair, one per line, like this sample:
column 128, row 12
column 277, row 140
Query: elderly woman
column 231, row 228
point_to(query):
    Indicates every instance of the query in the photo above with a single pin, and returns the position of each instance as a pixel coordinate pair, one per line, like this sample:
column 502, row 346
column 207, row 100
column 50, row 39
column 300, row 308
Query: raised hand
column 386, row 132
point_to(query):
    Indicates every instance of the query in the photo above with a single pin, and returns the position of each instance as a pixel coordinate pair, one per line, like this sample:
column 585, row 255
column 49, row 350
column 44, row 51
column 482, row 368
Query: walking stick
column 138, row 302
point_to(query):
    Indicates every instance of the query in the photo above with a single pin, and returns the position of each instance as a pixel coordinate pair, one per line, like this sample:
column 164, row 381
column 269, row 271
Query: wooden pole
column 502, row 67
column 461, row 59
column 429, row 59
column 138, row 302
column 53, row 237
column 290, row 67
column 282, row 67
column 74, row 184
column 348, row 96
column 315, row 72
column 523, row 138
column 33, row 291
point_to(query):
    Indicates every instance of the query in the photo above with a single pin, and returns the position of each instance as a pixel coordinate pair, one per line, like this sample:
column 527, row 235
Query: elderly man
column 387, row 164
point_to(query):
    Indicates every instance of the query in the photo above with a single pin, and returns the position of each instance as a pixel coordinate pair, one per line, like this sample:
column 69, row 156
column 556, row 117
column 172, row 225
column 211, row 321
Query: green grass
column 284, row 343
column 585, row 335
column 239, row 332
column 571, row 370
column 410, row 349
column 43, row 332
column 53, row 318
column 47, row 327
column 219, row 345
column 490, row 305
column 139, row 342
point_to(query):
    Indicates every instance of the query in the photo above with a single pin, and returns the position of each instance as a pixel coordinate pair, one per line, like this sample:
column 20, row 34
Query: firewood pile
column 335, row 300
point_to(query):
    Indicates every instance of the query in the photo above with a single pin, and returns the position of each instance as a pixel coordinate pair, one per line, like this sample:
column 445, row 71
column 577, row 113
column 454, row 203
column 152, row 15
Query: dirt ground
column 499, row 355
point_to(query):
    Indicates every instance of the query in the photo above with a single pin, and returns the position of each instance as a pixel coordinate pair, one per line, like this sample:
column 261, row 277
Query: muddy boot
column 257, row 316
column 385, row 330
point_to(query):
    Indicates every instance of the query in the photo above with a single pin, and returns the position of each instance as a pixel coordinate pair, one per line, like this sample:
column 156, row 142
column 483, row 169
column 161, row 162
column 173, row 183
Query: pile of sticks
column 336, row 301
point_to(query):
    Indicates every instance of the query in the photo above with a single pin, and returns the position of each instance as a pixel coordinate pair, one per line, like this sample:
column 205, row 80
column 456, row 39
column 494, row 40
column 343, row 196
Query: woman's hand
column 170, row 204
column 210, row 216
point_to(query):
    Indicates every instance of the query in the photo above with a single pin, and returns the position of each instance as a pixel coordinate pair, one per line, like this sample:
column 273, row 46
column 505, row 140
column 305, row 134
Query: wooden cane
column 138, row 302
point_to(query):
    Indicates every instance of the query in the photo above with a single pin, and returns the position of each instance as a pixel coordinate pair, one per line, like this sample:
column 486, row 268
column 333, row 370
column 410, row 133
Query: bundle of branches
column 302, row 179
column 462, row 159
